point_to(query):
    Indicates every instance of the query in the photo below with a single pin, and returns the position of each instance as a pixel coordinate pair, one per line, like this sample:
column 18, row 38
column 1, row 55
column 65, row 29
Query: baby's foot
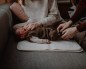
column 40, row 41
column 46, row 41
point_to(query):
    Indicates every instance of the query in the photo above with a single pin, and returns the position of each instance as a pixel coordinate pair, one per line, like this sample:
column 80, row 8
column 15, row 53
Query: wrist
column 70, row 22
column 31, row 20
column 39, row 23
column 76, row 30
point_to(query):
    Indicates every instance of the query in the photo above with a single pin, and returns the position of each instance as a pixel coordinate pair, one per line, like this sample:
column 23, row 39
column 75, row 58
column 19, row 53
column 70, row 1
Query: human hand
column 31, row 26
column 63, row 26
column 69, row 33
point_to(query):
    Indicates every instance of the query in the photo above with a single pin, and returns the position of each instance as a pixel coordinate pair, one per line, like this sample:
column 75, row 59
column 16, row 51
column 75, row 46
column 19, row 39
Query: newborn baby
column 40, row 34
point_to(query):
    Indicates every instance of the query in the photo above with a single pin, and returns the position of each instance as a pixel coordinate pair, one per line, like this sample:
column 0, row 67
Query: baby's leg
column 39, row 41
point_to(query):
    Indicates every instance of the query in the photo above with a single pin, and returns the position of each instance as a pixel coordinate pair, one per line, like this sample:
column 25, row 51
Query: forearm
column 48, row 20
column 81, row 27
column 80, row 11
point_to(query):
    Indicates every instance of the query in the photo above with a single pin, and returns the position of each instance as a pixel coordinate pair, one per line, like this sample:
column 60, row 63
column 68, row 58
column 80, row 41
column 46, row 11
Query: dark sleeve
column 81, row 27
column 80, row 11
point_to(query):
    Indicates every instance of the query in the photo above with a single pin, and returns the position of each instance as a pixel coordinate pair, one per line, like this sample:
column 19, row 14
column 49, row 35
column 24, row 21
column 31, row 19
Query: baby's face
column 21, row 32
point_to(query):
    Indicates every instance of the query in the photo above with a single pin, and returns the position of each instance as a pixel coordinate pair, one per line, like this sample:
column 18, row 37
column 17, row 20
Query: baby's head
column 21, row 32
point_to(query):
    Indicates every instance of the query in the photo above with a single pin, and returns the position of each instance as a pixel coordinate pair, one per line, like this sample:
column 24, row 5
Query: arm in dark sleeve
column 81, row 27
column 80, row 11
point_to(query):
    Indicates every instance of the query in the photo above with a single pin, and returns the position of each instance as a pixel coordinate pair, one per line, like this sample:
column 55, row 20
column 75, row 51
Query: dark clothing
column 44, row 33
column 80, row 12
column 81, row 27
column 82, row 0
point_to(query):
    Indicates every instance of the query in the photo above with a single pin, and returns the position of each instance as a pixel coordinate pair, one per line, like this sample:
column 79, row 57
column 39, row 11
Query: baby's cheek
column 17, row 32
column 22, row 36
column 22, row 32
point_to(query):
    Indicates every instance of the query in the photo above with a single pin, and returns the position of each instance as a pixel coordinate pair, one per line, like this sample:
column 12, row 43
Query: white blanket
column 70, row 46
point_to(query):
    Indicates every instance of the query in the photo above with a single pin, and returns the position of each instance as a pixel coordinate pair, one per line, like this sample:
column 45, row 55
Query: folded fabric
column 69, row 46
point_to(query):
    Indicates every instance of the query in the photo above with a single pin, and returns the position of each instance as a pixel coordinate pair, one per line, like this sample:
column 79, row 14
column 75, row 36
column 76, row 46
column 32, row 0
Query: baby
column 40, row 34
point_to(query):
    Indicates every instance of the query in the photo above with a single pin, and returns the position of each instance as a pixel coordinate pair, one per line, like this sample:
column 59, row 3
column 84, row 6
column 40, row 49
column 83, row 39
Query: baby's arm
column 39, row 41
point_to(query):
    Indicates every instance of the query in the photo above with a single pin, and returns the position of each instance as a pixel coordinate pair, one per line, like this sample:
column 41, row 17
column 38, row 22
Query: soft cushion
column 70, row 46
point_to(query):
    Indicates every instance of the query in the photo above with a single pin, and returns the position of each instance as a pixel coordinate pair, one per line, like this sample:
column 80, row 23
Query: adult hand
column 32, row 26
column 63, row 26
column 69, row 33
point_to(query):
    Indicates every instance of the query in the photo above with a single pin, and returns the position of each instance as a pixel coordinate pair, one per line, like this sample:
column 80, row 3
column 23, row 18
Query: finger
column 66, row 38
column 33, row 27
column 29, row 27
column 25, row 26
column 64, row 32
column 62, row 29
column 64, row 35
column 59, row 27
